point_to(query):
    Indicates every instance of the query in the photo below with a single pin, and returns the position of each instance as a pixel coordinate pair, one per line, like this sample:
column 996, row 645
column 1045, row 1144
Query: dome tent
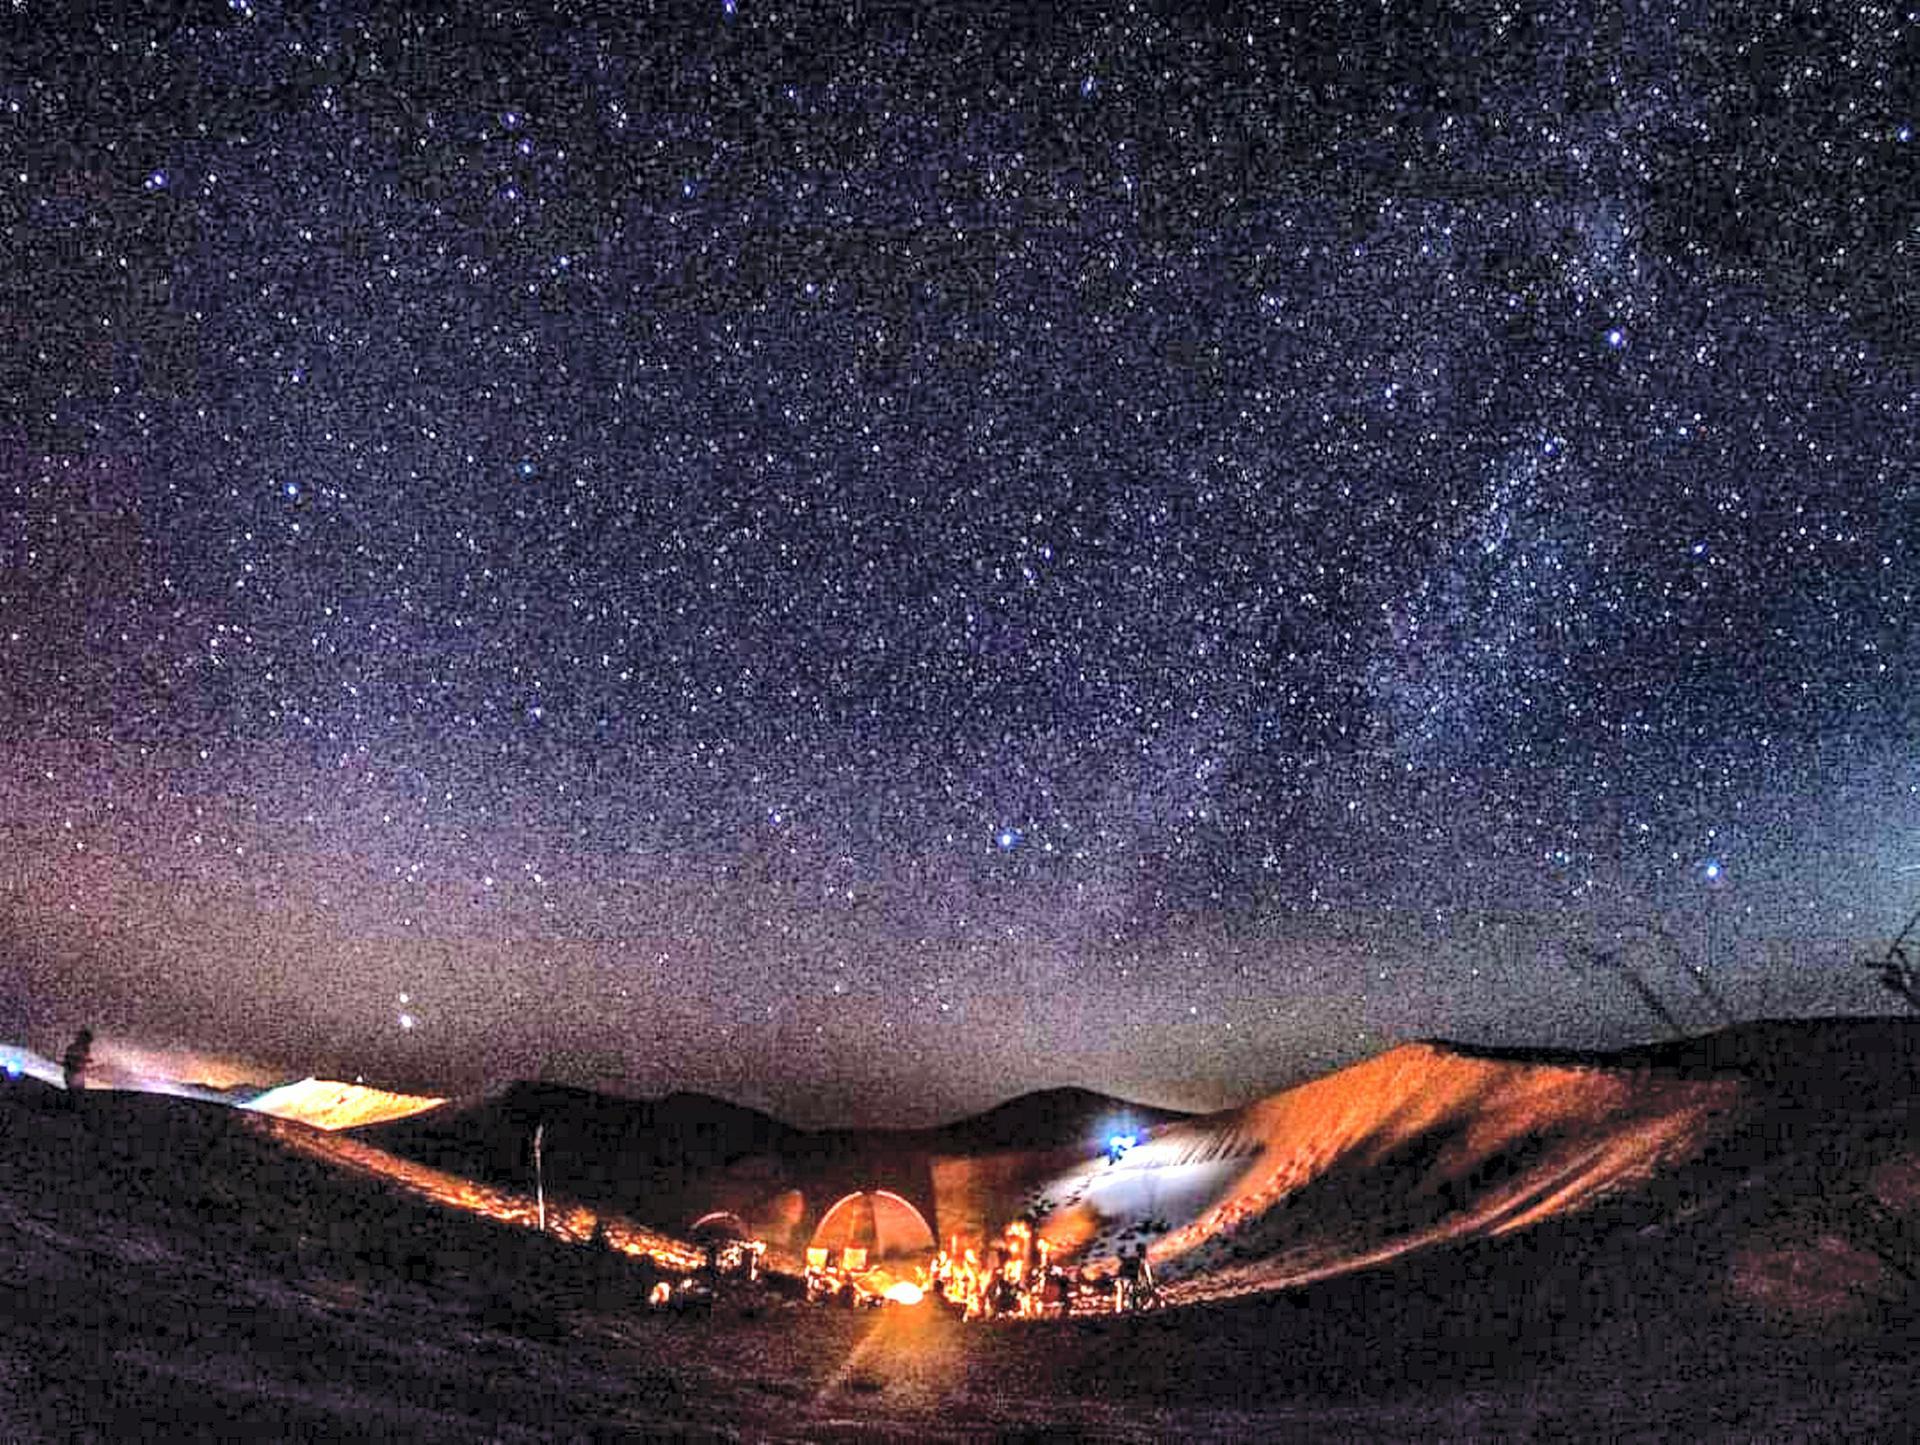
column 878, row 1221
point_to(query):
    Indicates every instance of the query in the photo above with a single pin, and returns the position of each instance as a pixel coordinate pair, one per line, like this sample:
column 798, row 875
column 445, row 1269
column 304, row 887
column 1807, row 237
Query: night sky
column 872, row 558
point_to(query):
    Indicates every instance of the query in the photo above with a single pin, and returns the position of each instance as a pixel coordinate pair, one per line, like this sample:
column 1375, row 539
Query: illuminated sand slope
column 328, row 1104
column 566, row 1220
column 1435, row 1145
column 1421, row 1146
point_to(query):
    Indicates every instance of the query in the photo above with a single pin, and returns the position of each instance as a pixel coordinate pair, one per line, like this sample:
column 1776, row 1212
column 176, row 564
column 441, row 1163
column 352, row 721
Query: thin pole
column 539, row 1174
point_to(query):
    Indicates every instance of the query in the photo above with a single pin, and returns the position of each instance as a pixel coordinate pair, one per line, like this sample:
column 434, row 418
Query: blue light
column 1122, row 1142
column 1007, row 839
column 1712, row 871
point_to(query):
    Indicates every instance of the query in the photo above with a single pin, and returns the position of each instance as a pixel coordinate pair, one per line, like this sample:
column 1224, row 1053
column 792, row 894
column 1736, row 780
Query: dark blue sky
column 874, row 558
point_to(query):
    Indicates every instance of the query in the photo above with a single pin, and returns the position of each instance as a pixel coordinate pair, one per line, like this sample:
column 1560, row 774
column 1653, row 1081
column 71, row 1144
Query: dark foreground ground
column 169, row 1272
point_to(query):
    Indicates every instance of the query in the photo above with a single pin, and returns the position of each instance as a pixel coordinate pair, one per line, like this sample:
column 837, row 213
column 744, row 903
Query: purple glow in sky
column 870, row 564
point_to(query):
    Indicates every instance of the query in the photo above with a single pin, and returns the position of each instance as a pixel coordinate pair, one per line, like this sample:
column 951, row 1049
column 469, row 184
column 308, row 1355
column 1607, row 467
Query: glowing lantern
column 906, row 1292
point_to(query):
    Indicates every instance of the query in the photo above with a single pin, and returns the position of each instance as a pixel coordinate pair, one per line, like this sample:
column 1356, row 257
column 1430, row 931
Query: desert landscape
column 756, row 720
column 1711, row 1238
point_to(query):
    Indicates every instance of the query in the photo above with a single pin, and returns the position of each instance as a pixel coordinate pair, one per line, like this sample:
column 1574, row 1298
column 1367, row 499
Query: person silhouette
column 75, row 1063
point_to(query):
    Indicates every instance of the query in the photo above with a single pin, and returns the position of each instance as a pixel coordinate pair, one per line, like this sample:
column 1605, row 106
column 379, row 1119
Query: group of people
column 1016, row 1279
column 731, row 1259
column 832, row 1282
column 1021, row 1279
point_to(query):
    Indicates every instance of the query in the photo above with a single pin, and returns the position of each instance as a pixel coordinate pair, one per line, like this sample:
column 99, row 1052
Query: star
column 645, row 530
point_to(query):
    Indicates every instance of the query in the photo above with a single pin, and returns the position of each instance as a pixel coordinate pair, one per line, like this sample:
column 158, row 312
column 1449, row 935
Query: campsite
column 770, row 720
column 1711, row 1237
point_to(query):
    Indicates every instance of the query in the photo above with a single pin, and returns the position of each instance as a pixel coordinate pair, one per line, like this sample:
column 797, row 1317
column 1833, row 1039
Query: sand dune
column 1429, row 1146
column 1716, row 1237
column 328, row 1104
column 1424, row 1146
column 1421, row 1146
column 1438, row 1147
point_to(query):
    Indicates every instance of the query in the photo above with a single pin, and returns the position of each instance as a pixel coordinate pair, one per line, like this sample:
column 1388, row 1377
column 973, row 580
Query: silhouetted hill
column 699, row 1131
column 1050, row 1118
column 1826, row 1056
column 668, row 1160
column 26, row 1088
column 594, row 1141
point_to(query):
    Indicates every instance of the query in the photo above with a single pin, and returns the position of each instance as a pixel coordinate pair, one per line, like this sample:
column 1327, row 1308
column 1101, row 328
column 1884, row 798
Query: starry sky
column 869, row 558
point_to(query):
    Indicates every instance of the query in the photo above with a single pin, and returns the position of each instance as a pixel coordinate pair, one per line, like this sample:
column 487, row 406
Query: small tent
column 720, row 1227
